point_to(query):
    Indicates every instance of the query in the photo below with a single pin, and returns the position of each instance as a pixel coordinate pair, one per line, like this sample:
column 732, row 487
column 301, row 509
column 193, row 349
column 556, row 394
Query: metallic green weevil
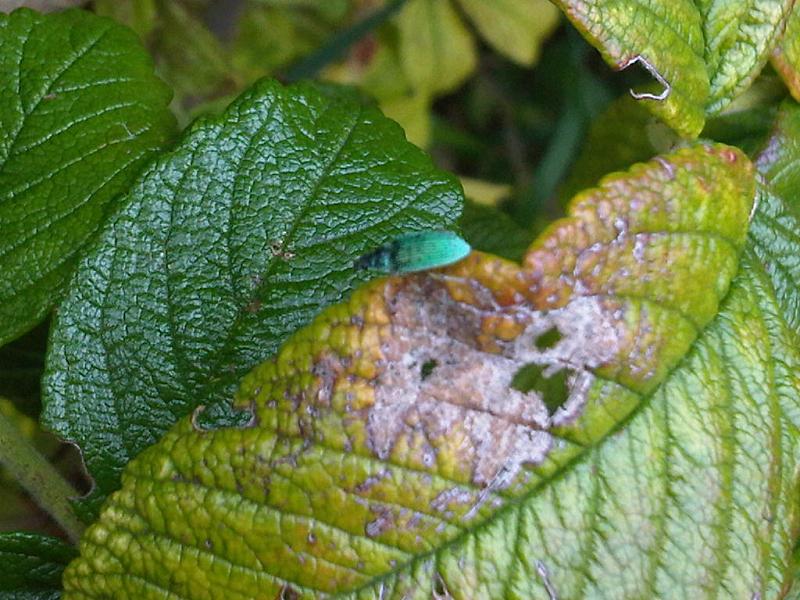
column 416, row 251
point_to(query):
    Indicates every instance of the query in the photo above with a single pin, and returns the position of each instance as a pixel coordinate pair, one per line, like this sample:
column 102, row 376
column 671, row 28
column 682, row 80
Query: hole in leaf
column 648, row 67
column 287, row 593
column 554, row 390
column 440, row 591
column 427, row 368
column 548, row 339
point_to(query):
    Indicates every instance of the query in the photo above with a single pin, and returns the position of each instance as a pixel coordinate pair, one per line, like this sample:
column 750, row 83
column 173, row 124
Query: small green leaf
column 80, row 113
column 338, row 43
column 515, row 28
column 437, row 51
column 139, row 15
column 739, row 37
column 786, row 56
column 222, row 248
column 269, row 37
column 31, row 566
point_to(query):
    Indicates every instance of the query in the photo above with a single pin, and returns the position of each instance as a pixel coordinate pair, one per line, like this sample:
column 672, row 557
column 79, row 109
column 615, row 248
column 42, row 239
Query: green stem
column 339, row 43
column 39, row 478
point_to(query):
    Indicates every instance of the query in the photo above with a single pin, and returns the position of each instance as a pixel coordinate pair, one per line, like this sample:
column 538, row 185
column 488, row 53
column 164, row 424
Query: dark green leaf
column 223, row 248
column 491, row 230
column 617, row 139
column 31, row 566
column 80, row 113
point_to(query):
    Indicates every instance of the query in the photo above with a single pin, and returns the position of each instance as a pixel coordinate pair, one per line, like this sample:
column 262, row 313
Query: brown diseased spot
column 254, row 306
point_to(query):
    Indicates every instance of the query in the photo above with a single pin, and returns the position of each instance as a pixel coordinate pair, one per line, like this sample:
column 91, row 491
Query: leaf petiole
column 39, row 478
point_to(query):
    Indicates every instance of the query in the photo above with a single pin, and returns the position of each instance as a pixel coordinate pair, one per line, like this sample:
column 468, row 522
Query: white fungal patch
column 465, row 407
column 446, row 500
column 639, row 248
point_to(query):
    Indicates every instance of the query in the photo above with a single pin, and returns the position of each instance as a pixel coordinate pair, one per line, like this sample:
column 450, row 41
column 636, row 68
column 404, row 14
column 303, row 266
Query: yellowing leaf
column 389, row 458
column 786, row 56
column 667, row 35
column 413, row 113
column 485, row 192
column 515, row 27
column 437, row 51
column 373, row 64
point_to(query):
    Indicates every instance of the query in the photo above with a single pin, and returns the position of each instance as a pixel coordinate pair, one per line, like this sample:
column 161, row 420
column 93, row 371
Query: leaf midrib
column 56, row 77
column 265, row 282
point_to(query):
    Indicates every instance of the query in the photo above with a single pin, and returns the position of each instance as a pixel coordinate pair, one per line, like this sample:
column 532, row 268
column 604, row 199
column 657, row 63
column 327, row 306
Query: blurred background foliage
column 504, row 93
column 499, row 92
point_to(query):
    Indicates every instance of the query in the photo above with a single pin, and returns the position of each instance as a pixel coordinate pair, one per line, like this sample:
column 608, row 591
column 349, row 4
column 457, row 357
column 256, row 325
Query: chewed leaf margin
column 701, row 55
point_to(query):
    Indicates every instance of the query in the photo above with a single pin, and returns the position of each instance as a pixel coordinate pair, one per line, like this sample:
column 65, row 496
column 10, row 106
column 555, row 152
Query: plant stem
column 39, row 478
column 339, row 43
